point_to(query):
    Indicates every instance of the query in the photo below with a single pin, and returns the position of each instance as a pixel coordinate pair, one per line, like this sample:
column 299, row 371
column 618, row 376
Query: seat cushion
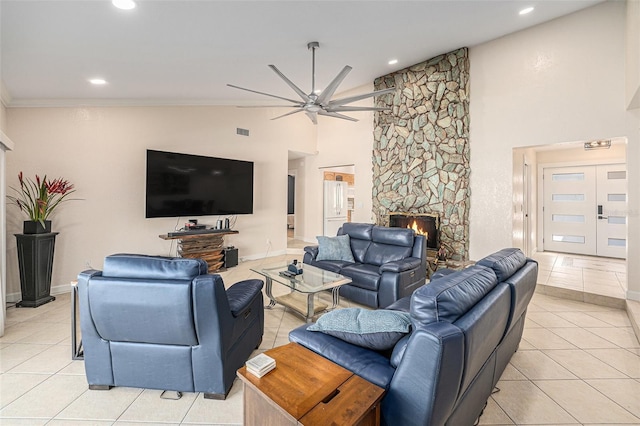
column 370, row 365
column 378, row 330
column 363, row 275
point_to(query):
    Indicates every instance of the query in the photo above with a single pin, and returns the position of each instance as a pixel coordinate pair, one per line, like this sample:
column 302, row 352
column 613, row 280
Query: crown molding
column 5, row 97
column 6, row 144
column 133, row 102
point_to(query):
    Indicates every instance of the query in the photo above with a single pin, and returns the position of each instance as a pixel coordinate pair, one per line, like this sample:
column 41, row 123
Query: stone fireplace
column 424, row 224
column 421, row 148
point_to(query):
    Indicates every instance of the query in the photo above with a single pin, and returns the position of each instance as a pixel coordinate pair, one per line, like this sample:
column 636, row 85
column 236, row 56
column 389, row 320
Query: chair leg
column 174, row 395
column 218, row 396
column 100, row 387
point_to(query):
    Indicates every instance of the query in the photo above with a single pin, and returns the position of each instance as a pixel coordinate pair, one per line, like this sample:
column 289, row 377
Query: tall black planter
column 35, row 258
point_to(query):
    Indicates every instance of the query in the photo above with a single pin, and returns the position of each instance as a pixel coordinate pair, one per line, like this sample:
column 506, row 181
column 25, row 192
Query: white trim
column 80, row 102
column 5, row 96
column 5, row 145
column 633, row 295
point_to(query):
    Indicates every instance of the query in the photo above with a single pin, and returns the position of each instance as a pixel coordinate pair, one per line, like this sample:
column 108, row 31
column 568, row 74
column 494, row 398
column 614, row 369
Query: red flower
column 38, row 199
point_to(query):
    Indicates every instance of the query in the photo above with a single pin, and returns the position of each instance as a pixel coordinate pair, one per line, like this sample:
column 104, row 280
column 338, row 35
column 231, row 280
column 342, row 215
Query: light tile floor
column 578, row 363
column 591, row 279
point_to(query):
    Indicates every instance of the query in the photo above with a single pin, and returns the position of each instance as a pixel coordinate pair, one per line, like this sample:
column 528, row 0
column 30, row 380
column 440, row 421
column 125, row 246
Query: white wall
column 341, row 142
column 102, row 151
column 557, row 82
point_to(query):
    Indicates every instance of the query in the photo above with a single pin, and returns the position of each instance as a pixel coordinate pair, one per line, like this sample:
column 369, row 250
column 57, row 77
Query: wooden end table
column 307, row 389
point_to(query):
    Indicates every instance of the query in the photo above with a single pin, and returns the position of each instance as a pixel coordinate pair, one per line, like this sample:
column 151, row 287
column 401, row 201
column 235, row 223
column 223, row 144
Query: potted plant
column 38, row 199
column 36, row 244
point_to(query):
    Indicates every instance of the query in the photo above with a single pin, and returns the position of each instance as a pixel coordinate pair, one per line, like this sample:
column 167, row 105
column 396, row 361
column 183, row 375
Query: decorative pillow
column 378, row 330
column 334, row 248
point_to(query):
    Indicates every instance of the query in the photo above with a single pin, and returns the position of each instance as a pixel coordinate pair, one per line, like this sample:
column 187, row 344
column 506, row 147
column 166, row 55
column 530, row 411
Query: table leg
column 310, row 310
column 335, row 293
column 272, row 300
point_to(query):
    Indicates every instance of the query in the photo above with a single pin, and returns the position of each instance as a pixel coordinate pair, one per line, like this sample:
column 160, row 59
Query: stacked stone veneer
column 421, row 146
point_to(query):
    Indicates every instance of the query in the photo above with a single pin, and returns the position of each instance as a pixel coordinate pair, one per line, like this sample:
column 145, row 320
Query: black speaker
column 230, row 257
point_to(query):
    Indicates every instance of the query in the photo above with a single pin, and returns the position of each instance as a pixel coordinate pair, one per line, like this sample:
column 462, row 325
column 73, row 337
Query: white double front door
column 585, row 210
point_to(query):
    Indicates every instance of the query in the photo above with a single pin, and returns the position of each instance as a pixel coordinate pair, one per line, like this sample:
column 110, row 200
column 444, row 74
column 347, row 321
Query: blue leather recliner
column 390, row 263
column 165, row 323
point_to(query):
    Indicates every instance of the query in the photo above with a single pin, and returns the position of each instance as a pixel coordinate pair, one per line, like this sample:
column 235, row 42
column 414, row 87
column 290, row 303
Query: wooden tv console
column 208, row 246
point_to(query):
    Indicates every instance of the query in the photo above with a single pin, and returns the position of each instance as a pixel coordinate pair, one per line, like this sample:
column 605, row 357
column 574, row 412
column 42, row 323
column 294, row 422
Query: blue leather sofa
column 390, row 263
column 466, row 325
column 165, row 323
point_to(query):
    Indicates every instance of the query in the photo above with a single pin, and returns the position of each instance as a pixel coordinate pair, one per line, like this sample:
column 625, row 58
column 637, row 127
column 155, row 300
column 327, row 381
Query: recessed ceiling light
column 124, row 4
column 526, row 10
column 393, row 62
column 98, row 81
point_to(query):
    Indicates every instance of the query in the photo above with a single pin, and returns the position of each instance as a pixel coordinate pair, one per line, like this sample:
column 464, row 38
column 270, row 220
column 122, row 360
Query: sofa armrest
column 312, row 251
column 241, row 294
column 366, row 363
column 398, row 266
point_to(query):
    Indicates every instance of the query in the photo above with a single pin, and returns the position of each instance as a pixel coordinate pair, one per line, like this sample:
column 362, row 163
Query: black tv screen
column 193, row 185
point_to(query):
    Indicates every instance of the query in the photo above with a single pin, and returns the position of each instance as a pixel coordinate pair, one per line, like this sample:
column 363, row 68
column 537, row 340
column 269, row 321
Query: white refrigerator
column 335, row 206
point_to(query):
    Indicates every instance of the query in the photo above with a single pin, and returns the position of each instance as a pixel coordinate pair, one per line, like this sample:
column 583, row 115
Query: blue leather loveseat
column 390, row 263
column 466, row 325
column 165, row 323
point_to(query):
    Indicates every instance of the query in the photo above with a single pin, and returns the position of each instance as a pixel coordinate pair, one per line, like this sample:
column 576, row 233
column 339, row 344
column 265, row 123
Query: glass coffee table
column 304, row 288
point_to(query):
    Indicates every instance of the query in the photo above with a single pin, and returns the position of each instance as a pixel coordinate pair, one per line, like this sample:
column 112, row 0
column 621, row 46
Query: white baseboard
column 633, row 295
column 263, row 255
column 57, row 289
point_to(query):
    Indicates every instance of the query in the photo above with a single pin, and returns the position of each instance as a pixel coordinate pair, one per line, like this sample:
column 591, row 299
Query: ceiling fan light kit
column 319, row 102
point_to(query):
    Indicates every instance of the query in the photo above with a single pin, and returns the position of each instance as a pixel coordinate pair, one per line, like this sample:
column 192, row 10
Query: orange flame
column 418, row 230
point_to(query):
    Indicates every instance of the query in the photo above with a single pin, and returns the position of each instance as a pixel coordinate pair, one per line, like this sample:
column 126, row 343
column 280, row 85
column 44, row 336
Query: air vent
column 242, row 132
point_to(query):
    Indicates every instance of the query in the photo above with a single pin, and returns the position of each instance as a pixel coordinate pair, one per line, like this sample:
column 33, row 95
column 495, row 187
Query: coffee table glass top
column 312, row 279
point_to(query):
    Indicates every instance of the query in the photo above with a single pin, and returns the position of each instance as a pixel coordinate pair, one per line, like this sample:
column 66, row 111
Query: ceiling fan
column 319, row 102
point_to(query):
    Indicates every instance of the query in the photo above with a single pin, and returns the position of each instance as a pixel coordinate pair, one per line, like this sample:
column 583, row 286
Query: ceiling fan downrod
column 313, row 46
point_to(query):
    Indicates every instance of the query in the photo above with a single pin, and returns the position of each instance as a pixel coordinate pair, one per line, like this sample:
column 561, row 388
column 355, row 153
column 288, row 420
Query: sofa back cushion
column 388, row 245
column 360, row 235
column 504, row 262
column 483, row 327
column 142, row 311
column 139, row 266
column 452, row 296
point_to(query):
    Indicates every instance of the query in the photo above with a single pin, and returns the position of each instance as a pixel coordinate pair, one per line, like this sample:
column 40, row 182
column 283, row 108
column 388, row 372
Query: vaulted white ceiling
column 185, row 52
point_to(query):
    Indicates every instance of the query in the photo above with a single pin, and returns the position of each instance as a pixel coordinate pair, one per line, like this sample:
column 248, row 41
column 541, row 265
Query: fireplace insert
column 423, row 223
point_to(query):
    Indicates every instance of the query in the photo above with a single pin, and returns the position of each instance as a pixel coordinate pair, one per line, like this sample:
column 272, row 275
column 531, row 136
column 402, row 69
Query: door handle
column 600, row 212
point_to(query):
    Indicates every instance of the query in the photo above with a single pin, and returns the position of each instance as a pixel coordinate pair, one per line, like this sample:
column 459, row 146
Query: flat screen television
column 193, row 185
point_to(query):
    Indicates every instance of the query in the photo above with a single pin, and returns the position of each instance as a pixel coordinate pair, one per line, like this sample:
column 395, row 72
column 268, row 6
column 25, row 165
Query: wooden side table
column 307, row 389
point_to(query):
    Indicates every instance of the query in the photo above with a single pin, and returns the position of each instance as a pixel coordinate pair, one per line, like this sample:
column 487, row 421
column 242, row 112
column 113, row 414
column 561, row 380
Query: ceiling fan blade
column 313, row 116
column 328, row 92
column 350, row 99
column 297, row 105
column 352, row 108
column 289, row 113
column 300, row 93
column 336, row 115
column 262, row 93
